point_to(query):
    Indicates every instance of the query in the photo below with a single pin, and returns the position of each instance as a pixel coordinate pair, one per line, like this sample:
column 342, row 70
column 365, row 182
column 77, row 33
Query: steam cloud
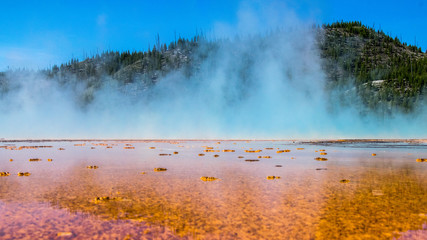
column 269, row 87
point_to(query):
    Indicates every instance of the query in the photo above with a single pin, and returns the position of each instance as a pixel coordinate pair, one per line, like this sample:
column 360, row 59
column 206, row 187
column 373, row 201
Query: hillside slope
column 359, row 62
column 388, row 74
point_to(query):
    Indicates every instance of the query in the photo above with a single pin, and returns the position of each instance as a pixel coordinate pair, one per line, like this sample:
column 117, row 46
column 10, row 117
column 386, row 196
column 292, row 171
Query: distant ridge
column 386, row 74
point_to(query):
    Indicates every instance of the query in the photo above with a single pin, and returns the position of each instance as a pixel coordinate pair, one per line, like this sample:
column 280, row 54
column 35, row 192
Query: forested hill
column 385, row 73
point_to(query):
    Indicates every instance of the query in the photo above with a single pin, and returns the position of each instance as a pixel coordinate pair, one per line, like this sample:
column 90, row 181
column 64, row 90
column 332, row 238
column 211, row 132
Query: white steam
column 264, row 87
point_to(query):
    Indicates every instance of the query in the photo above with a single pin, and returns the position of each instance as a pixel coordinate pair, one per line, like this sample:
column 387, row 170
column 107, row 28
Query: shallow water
column 386, row 196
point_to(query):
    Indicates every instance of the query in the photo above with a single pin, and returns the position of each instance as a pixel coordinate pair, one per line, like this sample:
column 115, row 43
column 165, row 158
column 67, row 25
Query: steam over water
column 253, row 87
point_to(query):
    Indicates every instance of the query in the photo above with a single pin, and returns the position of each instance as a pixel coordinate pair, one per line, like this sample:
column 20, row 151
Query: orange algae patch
column 4, row 174
column 300, row 148
column 64, row 234
column 210, row 150
column 272, row 177
column 34, row 159
column 105, row 199
column 23, row 147
column 282, row 151
column 253, row 151
column 421, row 159
column 92, row 167
column 374, row 154
column 201, row 154
column 251, row 160
column 128, row 147
column 21, row 174
column 323, row 153
column 160, row 169
column 208, row 179
column 228, row 150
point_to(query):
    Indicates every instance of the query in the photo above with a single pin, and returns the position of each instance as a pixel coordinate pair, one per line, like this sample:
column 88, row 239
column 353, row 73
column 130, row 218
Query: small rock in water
column 272, row 177
column 344, row 181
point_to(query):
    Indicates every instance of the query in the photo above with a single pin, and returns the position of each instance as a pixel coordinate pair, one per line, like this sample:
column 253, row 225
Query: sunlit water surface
column 385, row 196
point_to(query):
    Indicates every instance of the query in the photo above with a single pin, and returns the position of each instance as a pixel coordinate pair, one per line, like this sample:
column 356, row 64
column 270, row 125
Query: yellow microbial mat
column 146, row 190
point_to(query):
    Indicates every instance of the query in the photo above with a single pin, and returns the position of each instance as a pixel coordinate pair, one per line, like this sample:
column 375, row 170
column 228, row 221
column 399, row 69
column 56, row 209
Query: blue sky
column 38, row 34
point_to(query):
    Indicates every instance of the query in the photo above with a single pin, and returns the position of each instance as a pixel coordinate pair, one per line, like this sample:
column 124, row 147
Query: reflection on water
column 385, row 196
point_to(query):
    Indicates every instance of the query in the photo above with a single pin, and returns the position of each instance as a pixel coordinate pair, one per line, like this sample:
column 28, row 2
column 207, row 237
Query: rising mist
column 258, row 85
